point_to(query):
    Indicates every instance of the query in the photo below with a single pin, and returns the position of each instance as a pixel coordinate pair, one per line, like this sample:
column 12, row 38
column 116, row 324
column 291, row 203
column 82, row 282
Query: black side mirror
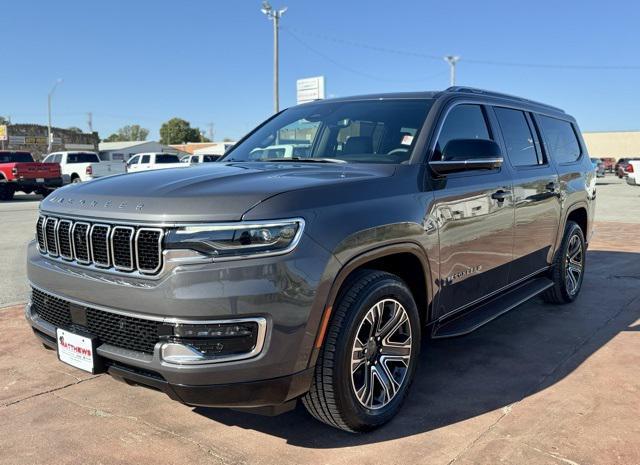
column 468, row 154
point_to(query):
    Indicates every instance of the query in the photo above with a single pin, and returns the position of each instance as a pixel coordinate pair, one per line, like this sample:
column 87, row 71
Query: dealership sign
column 310, row 89
column 3, row 132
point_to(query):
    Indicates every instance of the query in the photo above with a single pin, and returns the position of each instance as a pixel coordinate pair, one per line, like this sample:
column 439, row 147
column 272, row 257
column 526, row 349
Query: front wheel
column 367, row 362
column 567, row 271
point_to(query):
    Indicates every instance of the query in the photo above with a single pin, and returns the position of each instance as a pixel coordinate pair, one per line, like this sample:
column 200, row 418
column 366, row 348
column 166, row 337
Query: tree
column 75, row 129
column 129, row 133
column 179, row 131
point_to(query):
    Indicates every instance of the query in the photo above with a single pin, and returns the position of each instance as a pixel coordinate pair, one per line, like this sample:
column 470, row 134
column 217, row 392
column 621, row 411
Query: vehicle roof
column 451, row 91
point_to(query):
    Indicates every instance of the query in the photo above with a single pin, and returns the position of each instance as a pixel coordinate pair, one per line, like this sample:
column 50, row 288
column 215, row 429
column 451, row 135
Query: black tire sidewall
column 572, row 230
column 355, row 414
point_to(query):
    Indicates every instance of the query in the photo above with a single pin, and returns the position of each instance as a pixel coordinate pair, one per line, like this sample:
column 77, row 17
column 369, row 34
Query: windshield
column 167, row 159
column 15, row 157
column 82, row 158
column 367, row 131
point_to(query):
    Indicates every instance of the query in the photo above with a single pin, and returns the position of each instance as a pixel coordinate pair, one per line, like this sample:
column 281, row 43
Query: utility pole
column 274, row 15
column 210, row 131
column 452, row 60
column 53, row 89
column 90, row 122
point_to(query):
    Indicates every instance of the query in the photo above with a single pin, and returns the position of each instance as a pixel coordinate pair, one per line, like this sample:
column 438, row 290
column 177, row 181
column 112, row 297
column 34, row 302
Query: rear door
column 536, row 193
column 474, row 213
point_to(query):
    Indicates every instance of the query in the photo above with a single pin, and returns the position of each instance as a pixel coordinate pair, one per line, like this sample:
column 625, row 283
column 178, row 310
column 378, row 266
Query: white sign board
column 309, row 89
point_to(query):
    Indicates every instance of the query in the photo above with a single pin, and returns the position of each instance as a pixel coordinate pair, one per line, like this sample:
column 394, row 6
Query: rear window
column 167, row 159
column 560, row 138
column 15, row 157
column 82, row 158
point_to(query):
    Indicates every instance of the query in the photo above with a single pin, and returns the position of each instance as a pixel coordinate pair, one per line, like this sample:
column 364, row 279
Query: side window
column 48, row 159
column 463, row 122
column 518, row 137
column 134, row 160
column 57, row 158
column 560, row 138
column 146, row 159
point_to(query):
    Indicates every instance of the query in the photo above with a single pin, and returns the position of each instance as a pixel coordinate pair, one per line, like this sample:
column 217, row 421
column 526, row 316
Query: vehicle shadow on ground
column 521, row 353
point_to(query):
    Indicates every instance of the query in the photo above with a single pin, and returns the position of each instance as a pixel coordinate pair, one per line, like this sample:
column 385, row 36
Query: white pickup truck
column 154, row 161
column 632, row 173
column 83, row 166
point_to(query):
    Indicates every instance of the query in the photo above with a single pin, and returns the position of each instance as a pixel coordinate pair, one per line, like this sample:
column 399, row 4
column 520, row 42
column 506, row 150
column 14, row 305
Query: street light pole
column 53, row 89
column 274, row 15
column 452, row 60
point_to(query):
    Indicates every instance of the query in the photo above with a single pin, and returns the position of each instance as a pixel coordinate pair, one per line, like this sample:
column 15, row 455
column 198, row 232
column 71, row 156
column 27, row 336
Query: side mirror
column 468, row 154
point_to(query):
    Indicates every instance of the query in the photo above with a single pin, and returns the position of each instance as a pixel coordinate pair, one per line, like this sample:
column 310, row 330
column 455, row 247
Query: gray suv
column 275, row 275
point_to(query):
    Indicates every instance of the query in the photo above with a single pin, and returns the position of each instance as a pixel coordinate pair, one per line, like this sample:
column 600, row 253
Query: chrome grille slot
column 122, row 247
column 64, row 239
column 50, row 236
column 149, row 257
column 99, row 239
column 80, row 234
column 42, row 244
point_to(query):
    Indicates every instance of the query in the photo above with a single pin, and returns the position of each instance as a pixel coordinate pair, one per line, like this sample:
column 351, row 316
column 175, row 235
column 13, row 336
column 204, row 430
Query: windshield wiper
column 304, row 160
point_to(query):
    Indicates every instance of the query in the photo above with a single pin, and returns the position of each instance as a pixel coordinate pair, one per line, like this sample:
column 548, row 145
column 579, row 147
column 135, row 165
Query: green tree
column 75, row 129
column 178, row 131
column 4, row 120
column 129, row 133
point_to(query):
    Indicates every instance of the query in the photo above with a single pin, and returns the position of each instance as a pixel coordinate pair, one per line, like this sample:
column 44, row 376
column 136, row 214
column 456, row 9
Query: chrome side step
column 478, row 316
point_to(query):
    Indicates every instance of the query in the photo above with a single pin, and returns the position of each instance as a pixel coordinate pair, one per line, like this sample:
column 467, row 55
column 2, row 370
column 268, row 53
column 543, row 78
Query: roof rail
column 473, row 90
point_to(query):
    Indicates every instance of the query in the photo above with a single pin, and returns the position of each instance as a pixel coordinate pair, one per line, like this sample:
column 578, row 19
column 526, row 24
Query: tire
column 332, row 398
column 44, row 192
column 568, row 273
column 75, row 179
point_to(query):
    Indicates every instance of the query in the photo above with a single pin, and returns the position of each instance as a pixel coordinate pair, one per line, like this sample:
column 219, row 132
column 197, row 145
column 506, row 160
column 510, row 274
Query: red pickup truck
column 18, row 172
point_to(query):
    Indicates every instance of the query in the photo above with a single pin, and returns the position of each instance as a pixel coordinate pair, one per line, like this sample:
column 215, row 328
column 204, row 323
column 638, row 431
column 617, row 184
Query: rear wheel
column 367, row 362
column 75, row 179
column 567, row 271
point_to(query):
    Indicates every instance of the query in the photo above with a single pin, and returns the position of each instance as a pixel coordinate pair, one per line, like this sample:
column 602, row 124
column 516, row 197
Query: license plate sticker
column 41, row 180
column 76, row 350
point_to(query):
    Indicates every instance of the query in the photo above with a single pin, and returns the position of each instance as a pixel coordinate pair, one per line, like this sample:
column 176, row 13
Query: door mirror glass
column 468, row 154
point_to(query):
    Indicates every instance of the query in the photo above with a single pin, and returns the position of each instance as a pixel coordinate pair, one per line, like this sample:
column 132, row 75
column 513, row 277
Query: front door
column 535, row 194
column 474, row 213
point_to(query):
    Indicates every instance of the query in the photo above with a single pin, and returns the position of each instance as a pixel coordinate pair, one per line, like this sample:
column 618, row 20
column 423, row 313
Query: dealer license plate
column 76, row 350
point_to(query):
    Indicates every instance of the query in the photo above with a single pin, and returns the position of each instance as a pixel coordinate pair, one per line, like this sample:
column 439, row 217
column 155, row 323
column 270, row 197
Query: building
column 124, row 150
column 614, row 144
column 34, row 138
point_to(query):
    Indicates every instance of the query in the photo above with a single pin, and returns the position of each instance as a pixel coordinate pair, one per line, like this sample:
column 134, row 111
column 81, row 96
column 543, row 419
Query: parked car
column 195, row 159
column 83, row 166
column 19, row 172
column 154, row 161
column 632, row 171
column 609, row 164
column 253, row 284
column 598, row 167
column 621, row 166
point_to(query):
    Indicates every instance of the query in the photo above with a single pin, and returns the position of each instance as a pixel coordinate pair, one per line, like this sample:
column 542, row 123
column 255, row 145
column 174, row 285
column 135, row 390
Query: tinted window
column 463, row 122
column 15, row 157
column 82, row 158
column 146, row 159
column 210, row 158
column 518, row 137
column 561, row 141
column 167, row 159
column 134, row 160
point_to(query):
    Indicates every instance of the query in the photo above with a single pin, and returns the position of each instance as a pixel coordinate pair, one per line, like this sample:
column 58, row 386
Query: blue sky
column 143, row 62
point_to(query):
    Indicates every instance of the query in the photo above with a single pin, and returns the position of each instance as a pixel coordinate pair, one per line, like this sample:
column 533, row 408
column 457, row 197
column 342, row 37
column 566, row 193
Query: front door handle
column 500, row 195
column 551, row 187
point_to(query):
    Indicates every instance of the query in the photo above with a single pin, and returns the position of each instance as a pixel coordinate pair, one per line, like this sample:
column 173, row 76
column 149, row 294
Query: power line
column 466, row 60
column 353, row 70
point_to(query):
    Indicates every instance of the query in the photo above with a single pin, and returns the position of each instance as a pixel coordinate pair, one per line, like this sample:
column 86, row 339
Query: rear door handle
column 500, row 195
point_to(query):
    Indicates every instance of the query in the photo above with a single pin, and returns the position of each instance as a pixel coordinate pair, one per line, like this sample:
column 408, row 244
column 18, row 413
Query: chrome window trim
column 86, row 240
column 93, row 258
column 131, row 248
column 160, row 237
column 70, row 223
column 55, row 236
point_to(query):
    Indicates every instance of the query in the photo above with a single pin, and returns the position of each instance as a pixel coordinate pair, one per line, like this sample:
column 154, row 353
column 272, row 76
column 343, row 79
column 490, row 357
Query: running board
column 488, row 311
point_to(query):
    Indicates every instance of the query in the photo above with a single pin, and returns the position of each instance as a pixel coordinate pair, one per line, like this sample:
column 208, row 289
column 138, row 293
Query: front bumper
column 281, row 290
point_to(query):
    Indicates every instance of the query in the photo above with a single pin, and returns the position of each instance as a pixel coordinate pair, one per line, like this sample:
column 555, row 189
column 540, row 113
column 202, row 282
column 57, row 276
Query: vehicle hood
column 207, row 192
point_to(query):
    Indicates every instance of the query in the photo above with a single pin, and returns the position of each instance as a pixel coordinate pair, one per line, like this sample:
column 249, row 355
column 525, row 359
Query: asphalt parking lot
column 542, row 385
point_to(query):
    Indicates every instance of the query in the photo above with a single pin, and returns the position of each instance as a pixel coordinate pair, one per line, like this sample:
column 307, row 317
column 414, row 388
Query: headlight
column 238, row 240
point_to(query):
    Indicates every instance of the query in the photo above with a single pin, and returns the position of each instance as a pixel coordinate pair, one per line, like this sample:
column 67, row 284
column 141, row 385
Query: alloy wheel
column 574, row 264
column 381, row 354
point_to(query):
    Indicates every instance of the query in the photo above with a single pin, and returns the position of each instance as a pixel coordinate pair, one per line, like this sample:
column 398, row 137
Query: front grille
column 110, row 328
column 125, row 248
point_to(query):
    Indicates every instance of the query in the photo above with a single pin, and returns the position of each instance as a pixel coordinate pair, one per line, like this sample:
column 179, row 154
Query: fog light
column 193, row 343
